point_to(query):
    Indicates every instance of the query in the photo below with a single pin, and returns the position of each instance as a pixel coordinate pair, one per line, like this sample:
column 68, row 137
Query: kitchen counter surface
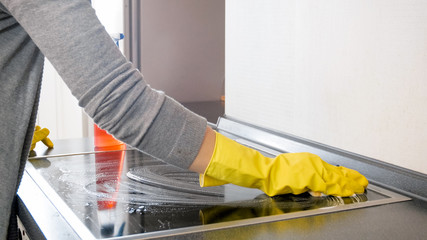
column 405, row 220
column 400, row 220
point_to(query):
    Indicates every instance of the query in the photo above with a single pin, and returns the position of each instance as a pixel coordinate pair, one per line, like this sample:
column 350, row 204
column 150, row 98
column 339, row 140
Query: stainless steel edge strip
column 51, row 224
column 394, row 197
column 74, row 154
column 401, row 179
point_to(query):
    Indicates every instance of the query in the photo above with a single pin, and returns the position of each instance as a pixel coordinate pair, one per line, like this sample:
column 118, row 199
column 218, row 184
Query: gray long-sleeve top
column 106, row 85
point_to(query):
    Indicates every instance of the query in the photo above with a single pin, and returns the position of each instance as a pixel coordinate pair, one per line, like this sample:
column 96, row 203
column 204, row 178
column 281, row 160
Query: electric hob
column 126, row 194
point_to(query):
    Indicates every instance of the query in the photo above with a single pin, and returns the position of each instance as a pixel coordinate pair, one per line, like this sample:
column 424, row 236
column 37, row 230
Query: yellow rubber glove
column 41, row 135
column 293, row 173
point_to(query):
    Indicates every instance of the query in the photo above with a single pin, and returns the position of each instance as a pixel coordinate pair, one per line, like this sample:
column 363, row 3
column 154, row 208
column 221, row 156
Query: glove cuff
column 204, row 179
column 234, row 163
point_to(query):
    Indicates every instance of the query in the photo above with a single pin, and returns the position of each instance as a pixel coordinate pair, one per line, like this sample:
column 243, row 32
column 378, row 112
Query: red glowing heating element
column 103, row 139
column 109, row 158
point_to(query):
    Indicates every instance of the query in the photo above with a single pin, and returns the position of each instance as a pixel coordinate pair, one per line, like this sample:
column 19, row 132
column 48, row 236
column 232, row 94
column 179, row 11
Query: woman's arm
column 206, row 150
column 111, row 91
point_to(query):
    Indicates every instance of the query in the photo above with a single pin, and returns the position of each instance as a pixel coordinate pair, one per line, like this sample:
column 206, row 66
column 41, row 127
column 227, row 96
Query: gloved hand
column 41, row 135
column 294, row 173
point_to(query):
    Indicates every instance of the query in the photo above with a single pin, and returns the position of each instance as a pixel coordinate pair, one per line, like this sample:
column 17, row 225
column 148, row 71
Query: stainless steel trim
column 262, row 137
column 257, row 146
column 73, row 154
column 44, row 212
column 405, row 181
column 394, row 197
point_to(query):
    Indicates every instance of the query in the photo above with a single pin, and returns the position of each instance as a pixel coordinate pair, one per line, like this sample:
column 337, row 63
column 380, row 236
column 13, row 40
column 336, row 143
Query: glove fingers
column 338, row 184
column 47, row 142
column 355, row 175
column 40, row 134
column 329, row 179
column 341, row 181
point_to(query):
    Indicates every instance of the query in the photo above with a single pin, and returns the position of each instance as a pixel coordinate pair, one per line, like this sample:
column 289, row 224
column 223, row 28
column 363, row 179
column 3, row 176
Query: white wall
column 350, row 74
column 58, row 108
column 110, row 13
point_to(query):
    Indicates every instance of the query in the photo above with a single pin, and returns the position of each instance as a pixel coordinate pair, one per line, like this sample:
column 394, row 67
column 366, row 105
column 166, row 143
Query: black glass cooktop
column 126, row 193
